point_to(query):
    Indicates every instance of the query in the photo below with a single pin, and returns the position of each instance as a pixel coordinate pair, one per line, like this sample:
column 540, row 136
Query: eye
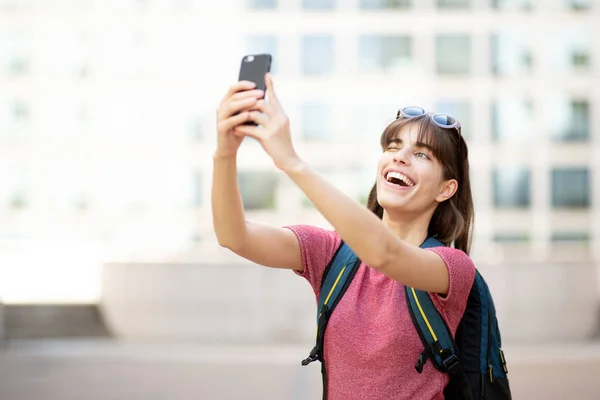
column 420, row 154
column 392, row 147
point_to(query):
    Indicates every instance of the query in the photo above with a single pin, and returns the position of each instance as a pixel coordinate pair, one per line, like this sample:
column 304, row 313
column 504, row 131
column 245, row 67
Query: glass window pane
column 511, row 187
column 571, row 51
column 570, row 236
column 198, row 194
column 384, row 4
column 573, row 121
column 14, row 53
column 14, row 193
column 524, row 5
column 511, row 237
column 570, row 188
column 449, row 4
column 512, row 120
column 317, row 122
column 318, row 4
column 261, row 4
column 15, row 5
column 453, row 54
column 384, row 53
column 264, row 44
column 258, row 189
column 578, row 5
column 459, row 109
column 318, row 54
column 510, row 54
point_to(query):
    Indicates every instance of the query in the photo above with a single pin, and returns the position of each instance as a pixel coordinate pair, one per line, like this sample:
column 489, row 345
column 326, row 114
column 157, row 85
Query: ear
column 447, row 190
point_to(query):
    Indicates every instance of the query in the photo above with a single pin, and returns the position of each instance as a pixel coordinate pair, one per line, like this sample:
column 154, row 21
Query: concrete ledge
column 53, row 321
column 250, row 304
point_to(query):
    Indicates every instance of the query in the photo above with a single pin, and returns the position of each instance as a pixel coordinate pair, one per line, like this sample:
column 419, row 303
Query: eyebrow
column 421, row 145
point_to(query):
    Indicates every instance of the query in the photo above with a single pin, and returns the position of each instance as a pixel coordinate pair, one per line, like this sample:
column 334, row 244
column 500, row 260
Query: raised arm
column 370, row 239
column 260, row 243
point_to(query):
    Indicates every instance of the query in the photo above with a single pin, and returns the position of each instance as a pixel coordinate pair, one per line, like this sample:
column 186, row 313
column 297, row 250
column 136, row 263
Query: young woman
column 422, row 189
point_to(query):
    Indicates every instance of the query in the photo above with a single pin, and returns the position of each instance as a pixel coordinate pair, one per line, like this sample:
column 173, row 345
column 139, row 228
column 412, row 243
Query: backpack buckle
column 450, row 362
column 313, row 356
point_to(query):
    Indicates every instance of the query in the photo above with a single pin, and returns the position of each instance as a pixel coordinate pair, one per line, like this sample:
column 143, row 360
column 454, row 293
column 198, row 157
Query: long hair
column 452, row 221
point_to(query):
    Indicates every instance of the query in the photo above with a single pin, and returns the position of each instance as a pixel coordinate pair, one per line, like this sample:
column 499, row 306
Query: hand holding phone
column 253, row 68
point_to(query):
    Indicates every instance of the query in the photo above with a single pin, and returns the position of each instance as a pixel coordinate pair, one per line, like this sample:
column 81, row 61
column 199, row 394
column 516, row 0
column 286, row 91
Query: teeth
column 398, row 175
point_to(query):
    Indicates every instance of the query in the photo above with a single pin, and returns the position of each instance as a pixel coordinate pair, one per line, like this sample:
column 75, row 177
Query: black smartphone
column 253, row 69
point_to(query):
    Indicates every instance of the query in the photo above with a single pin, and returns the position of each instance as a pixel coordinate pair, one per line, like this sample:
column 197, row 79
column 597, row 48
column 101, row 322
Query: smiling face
column 410, row 178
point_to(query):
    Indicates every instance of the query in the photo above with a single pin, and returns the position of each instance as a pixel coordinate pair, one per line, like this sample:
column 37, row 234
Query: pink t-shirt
column 371, row 345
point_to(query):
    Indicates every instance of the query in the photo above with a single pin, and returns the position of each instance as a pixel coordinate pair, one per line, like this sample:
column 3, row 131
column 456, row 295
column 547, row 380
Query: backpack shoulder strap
column 336, row 278
column 434, row 333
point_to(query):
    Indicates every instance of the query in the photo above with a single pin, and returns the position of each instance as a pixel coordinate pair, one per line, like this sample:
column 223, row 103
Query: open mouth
column 399, row 179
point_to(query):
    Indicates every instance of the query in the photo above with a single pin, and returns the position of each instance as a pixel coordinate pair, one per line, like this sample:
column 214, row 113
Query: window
column 512, row 120
column 198, row 195
column 451, row 4
column 510, row 54
column 14, row 53
column 318, row 54
column 507, row 238
column 264, row 44
column 570, row 188
column 65, row 115
column 318, row 4
column 385, row 4
column 197, row 129
column 511, row 187
column 524, row 5
column 574, row 51
column 579, row 5
column 15, row 117
column 453, row 54
column 262, row 4
column 460, row 110
column 316, row 122
column 67, row 53
column 573, row 122
column 65, row 183
column 258, row 189
column 384, row 53
column 14, row 5
column 570, row 237
column 13, row 188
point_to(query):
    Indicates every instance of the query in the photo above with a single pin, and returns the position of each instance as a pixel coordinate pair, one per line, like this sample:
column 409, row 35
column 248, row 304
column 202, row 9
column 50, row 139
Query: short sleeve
column 317, row 247
column 462, row 275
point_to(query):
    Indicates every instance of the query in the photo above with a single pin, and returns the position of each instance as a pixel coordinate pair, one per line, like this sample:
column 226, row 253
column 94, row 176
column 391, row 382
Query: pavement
column 111, row 370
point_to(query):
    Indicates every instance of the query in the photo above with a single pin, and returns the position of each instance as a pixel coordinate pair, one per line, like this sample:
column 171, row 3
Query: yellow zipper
column 423, row 315
column 331, row 291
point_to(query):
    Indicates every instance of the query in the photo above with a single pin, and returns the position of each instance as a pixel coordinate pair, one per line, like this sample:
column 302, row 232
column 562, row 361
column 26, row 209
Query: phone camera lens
column 250, row 58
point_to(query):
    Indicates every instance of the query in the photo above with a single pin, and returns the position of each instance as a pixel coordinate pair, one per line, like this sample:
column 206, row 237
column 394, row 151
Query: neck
column 410, row 228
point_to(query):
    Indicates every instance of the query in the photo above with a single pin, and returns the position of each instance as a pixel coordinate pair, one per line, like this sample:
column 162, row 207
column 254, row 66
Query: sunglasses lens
column 444, row 120
column 413, row 111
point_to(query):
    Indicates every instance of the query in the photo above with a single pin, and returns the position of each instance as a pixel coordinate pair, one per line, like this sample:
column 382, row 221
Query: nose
column 401, row 156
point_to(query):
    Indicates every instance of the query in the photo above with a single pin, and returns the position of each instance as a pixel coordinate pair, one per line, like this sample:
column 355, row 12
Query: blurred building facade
column 107, row 121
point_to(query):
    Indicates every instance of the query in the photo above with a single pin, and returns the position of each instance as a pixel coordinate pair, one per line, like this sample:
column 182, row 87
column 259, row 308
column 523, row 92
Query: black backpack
column 474, row 358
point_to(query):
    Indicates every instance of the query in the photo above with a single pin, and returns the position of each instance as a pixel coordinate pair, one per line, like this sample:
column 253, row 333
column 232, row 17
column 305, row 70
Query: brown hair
column 452, row 221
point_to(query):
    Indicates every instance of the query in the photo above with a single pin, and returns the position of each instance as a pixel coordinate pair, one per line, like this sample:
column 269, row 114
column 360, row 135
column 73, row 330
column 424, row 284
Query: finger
column 231, row 122
column 267, row 108
column 259, row 118
column 247, row 130
column 257, row 93
column 238, row 87
column 270, row 90
column 234, row 107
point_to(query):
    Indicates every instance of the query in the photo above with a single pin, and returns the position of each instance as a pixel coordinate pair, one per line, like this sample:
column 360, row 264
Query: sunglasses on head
column 442, row 120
